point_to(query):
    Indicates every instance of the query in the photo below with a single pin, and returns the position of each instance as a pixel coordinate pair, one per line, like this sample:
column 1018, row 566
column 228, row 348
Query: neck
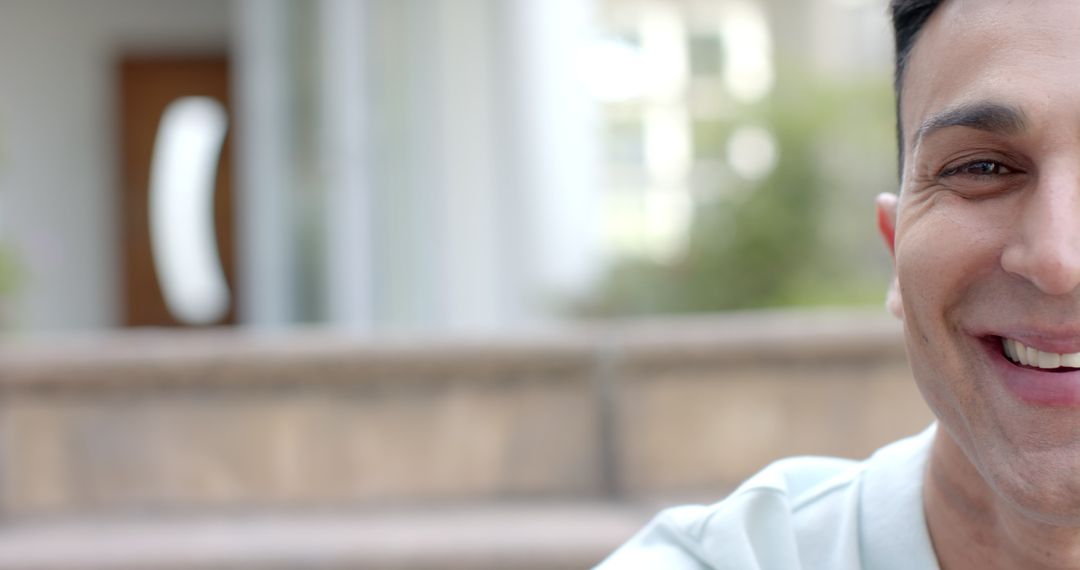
column 972, row 527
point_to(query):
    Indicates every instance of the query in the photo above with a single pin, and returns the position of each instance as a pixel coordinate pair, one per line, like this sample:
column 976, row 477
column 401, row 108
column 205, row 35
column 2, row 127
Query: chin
column 1045, row 492
column 1030, row 469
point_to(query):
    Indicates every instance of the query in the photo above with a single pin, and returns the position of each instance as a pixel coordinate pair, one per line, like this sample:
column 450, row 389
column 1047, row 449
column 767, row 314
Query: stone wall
column 227, row 421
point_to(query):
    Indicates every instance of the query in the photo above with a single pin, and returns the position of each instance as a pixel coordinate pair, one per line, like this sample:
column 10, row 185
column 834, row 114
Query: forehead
column 1020, row 53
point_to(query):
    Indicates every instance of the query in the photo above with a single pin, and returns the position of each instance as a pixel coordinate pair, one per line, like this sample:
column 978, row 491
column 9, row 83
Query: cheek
column 929, row 260
column 945, row 259
column 942, row 249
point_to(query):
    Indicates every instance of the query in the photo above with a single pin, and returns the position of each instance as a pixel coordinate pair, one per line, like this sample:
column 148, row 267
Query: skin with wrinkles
column 986, row 241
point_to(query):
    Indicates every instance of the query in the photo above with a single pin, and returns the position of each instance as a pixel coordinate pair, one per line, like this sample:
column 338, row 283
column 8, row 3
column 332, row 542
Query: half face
column 987, row 241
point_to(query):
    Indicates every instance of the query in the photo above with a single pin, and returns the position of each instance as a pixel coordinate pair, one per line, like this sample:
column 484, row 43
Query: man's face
column 987, row 240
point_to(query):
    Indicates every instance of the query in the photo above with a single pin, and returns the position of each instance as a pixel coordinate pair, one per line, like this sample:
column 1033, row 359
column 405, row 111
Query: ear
column 886, row 219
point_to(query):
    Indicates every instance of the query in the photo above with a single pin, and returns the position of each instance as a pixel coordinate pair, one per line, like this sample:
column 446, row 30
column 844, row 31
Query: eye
column 977, row 168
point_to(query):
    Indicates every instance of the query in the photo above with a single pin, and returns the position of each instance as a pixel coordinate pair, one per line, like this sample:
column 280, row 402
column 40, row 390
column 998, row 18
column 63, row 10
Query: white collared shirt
column 801, row 513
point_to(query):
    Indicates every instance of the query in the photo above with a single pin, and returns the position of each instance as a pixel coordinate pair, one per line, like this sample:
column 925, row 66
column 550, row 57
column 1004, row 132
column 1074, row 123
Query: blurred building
column 388, row 164
column 392, row 163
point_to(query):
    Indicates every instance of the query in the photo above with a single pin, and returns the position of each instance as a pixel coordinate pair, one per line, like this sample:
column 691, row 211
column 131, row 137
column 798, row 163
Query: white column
column 265, row 241
column 345, row 161
column 555, row 135
column 486, row 202
column 472, row 272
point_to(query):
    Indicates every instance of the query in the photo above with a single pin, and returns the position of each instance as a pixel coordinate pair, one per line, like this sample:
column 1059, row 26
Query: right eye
column 977, row 168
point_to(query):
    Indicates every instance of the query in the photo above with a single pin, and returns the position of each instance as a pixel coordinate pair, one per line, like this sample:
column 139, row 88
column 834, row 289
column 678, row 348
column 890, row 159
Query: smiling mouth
column 1023, row 355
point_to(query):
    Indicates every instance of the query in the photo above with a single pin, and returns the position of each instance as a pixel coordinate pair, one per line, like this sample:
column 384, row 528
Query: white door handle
column 182, row 236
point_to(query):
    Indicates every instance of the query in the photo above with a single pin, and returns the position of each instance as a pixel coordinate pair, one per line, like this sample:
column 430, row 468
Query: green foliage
column 9, row 266
column 803, row 234
column 9, row 272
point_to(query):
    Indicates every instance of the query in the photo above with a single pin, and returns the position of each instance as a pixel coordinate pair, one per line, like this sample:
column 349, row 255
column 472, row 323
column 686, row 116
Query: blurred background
column 462, row 165
column 429, row 283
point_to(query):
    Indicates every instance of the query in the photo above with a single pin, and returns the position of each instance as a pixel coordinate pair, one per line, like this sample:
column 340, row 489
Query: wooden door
column 146, row 88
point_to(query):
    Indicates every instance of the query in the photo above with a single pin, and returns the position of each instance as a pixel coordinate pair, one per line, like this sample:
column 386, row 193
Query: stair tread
column 478, row 536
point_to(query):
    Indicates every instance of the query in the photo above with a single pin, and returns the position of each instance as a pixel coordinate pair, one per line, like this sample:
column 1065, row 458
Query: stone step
column 475, row 537
column 220, row 421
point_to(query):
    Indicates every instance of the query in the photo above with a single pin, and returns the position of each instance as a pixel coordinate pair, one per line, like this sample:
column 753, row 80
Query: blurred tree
column 797, row 236
column 8, row 271
column 9, row 267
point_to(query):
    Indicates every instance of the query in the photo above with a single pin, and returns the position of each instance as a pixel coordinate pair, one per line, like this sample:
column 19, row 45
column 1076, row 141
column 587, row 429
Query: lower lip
column 1035, row 386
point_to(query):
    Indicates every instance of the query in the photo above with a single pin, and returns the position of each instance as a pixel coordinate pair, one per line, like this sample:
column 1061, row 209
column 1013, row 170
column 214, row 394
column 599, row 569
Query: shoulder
column 801, row 512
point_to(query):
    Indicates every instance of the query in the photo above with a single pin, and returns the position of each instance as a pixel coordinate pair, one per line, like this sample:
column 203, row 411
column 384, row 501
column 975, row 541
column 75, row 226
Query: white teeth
column 1049, row 359
column 1017, row 351
column 1028, row 356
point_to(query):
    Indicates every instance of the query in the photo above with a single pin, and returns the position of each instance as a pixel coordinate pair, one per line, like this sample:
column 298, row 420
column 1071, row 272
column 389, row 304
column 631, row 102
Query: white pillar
column 349, row 291
column 483, row 204
column 555, row 135
column 517, row 160
column 265, row 241
column 472, row 272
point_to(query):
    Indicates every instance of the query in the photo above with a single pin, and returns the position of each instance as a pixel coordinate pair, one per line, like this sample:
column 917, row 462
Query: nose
column 1045, row 248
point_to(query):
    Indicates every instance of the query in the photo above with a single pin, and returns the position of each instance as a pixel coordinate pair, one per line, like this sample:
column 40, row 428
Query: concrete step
column 475, row 537
column 225, row 420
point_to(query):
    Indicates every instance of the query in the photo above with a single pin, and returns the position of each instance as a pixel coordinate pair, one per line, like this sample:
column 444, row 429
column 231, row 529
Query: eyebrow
column 984, row 116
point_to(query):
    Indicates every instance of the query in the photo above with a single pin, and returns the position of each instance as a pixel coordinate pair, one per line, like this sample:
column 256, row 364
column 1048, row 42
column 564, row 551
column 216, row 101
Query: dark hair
column 908, row 17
